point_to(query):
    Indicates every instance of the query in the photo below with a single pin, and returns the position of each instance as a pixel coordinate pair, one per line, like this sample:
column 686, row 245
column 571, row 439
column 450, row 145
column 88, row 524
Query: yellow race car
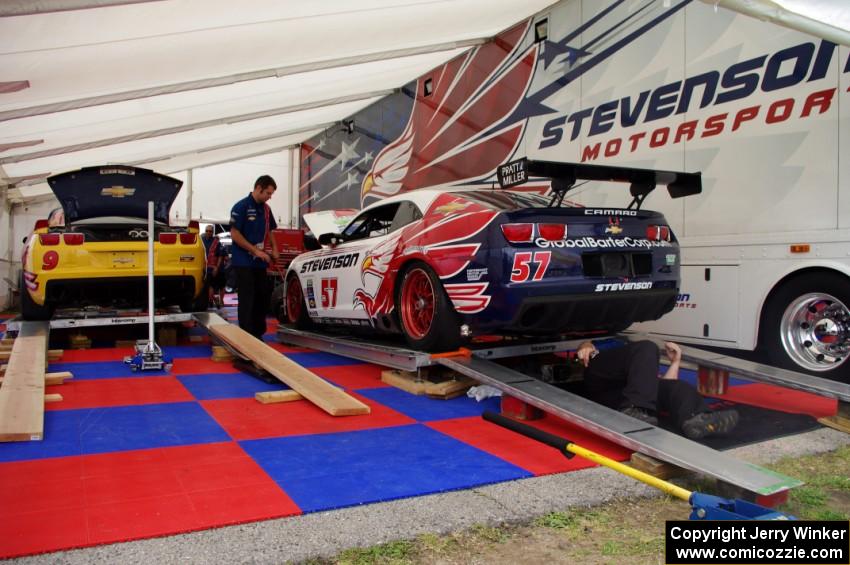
column 96, row 255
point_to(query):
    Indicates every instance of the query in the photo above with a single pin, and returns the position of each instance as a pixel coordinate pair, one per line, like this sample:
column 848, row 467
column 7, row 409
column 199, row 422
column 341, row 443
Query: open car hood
column 329, row 221
column 114, row 190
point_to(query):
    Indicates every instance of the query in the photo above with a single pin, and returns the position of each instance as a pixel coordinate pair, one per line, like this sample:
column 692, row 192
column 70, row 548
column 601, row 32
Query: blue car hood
column 114, row 190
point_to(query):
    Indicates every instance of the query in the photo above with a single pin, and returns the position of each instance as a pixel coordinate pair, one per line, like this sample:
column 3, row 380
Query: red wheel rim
column 294, row 300
column 417, row 303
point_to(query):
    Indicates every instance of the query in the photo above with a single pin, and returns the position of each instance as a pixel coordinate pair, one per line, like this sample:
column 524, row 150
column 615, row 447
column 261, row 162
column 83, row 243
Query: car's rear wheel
column 296, row 306
column 29, row 309
column 426, row 316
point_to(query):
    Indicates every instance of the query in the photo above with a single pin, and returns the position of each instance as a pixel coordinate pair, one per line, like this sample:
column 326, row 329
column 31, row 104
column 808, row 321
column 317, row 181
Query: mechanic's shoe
column 710, row 423
column 641, row 414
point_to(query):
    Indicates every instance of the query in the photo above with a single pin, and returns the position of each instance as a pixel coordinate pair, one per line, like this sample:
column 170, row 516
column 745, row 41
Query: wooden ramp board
column 332, row 400
column 22, row 393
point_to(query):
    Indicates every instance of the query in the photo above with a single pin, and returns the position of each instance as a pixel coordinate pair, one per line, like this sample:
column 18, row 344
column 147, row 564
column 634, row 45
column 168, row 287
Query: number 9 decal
column 49, row 260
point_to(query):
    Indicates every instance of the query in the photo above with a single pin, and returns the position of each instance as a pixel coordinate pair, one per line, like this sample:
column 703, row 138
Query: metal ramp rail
column 752, row 480
column 86, row 318
column 624, row 430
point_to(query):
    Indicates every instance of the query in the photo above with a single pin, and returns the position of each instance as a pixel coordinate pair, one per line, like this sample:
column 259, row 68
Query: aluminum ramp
column 624, row 430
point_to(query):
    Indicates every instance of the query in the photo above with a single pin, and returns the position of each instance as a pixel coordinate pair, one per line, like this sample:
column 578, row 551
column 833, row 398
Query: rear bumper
column 168, row 290
column 587, row 312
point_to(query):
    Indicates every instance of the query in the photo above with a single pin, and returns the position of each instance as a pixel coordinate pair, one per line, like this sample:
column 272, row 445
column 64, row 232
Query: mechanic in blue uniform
column 627, row 379
column 250, row 222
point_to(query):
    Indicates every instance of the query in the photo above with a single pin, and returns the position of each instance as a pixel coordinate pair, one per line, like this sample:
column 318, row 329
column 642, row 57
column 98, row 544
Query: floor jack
column 703, row 506
column 149, row 356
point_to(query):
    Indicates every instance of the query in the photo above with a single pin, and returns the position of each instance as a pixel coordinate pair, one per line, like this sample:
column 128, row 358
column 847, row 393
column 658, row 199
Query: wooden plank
column 53, row 397
column 22, row 394
column 57, row 378
column 52, row 355
column 332, row 400
column 275, row 396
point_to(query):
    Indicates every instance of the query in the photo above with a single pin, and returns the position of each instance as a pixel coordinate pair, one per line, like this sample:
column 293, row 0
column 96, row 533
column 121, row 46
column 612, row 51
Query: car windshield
column 506, row 200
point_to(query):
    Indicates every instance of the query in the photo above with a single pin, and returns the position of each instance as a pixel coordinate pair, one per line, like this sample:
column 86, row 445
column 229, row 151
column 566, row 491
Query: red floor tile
column 353, row 377
column 96, row 355
column 527, row 453
column 245, row 418
column 782, row 399
column 201, row 366
column 160, row 515
column 118, row 392
column 234, row 504
column 38, row 532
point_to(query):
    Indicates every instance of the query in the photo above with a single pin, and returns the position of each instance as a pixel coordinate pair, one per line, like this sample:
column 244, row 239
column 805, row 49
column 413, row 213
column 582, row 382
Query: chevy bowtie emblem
column 117, row 191
column 613, row 226
column 450, row 207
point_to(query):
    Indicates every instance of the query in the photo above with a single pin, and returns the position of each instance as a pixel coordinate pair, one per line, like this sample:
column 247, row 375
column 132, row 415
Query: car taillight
column 518, row 233
column 188, row 238
column 41, row 224
column 552, row 232
column 658, row 233
column 48, row 238
column 168, row 238
column 73, row 238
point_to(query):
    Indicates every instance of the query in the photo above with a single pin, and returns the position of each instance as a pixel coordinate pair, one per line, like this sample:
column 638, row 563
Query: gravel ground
column 325, row 534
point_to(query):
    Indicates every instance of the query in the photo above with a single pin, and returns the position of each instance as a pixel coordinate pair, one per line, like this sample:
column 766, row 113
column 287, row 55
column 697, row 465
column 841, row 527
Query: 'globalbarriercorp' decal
column 588, row 241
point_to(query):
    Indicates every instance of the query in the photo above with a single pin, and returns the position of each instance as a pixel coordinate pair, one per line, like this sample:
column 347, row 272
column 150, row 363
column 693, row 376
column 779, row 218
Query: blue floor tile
column 327, row 471
column 105, row 430
column 426, row 409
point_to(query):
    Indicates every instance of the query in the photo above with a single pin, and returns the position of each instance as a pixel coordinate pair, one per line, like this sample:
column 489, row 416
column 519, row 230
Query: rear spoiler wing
column 565, row 175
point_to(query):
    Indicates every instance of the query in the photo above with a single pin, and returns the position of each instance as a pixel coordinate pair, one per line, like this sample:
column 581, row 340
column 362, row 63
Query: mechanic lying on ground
column 627, row 379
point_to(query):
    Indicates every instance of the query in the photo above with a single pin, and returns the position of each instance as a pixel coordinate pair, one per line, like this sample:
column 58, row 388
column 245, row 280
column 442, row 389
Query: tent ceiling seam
column 124, row 96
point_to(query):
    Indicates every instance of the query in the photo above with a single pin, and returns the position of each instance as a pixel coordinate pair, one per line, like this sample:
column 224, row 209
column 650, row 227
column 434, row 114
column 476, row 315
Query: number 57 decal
column 329, row 287
column 522, row 269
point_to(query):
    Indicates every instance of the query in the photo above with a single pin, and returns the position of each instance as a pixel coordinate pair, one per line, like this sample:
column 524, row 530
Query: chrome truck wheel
column 806, row 326
column 815, row 331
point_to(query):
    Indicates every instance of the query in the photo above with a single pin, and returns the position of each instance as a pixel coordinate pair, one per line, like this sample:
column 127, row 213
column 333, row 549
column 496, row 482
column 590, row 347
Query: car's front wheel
column 29, row 309
column 426, row 316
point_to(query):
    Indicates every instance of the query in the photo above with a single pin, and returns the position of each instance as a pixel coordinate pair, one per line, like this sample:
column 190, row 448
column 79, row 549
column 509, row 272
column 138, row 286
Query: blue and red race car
column 441, row 266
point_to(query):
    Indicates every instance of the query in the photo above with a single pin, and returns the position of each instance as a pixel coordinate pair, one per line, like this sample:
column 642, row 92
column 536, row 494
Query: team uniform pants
column 628, row 376
column 254, row 292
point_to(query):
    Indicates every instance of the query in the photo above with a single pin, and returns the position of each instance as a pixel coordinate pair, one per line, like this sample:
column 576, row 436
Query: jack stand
column 148, row 355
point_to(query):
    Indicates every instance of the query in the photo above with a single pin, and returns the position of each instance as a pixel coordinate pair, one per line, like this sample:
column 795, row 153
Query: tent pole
column 189, row 192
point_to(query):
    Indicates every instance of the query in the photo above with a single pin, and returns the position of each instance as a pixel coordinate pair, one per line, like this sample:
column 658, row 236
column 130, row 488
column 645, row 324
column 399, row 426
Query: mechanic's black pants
column 254, row 292
column 628, row 376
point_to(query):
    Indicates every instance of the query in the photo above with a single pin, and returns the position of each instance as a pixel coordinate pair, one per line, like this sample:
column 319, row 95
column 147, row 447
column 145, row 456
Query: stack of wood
column 166, row 335
column 433, row 382
column 79, row 341
column 220, row 353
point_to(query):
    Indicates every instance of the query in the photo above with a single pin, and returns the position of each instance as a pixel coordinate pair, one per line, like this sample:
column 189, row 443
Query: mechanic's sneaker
column 710, row 423
column 641, row 414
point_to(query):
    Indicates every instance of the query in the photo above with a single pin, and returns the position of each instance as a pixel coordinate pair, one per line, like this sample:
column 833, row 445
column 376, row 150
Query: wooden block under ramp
column 332, row 400
column 654, row 467
column 444, row 385
column 22, row 393
column 53, row 398
column 220, row 353
column 841, row 420
column 275, row 396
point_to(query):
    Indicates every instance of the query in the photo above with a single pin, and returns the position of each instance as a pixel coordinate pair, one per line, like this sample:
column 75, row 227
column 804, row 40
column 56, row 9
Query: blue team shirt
column 249, row 217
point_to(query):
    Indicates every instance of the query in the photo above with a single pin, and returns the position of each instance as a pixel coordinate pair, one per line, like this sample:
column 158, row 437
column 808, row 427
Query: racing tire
column 296, row 307
column 425, row 314
column 805, row 326
column 29, row 309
